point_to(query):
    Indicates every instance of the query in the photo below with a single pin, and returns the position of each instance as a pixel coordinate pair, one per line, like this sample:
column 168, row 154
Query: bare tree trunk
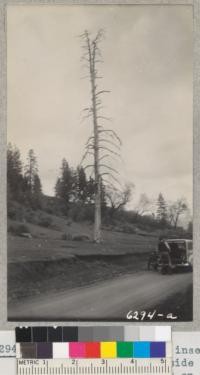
column 103, row 142
column 97, row 216
column 97, row 222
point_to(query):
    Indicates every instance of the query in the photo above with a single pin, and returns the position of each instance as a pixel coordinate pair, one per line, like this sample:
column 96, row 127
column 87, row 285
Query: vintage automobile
column 172, row 254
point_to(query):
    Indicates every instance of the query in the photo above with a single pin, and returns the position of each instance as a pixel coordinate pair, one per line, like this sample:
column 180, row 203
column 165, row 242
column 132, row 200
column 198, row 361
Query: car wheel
column 148, row 266
column 163, row 271
column 190, row 268
column 169, row 270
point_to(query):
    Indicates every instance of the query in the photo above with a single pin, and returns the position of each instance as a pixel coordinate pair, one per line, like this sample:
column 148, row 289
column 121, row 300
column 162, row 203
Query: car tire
column 169, row 271
column 163, row 271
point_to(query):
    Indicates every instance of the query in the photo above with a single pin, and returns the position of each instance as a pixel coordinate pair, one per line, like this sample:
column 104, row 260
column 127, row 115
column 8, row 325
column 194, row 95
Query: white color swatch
column 162, row 333
column 60, row 350
column 155, row 333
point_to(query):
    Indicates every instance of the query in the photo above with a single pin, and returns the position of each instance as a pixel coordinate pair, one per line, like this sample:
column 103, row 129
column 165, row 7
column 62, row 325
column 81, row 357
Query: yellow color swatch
column 108, row 349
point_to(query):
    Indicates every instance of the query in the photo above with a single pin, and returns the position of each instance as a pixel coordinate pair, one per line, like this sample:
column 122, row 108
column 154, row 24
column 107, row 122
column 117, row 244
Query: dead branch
column 104, row 156
column 86, row 109
column 110, row 142
column 109, row 150
column 89, row 146
column 111, row 131
column 108, row 167
column 88, row 166
column 108, row 183
column 116, row 160
column 105, row 118
column 111, row 175
column 102, row 92
column 86, row 117
column 83, row 77
column 87, row 152
column 89, row 139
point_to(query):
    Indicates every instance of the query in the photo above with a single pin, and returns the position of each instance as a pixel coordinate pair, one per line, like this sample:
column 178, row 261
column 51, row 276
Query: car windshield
column 177, row 248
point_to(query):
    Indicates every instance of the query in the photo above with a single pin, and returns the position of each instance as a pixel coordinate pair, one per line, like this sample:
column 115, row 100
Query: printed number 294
column 7, row 348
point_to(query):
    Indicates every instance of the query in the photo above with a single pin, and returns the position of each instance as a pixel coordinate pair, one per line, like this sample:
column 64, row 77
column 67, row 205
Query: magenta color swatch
column 77, row 350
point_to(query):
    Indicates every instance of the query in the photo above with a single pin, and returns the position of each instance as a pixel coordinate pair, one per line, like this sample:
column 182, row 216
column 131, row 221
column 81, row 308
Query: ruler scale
column 88, row 366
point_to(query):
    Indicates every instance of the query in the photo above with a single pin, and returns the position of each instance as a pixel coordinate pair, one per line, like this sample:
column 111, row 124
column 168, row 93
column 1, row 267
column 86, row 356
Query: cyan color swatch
column 141, row 349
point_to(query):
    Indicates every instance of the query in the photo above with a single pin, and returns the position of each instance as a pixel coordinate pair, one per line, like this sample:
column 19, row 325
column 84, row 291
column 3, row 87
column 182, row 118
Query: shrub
column 18, row 229
column 12, row 213
column 45, row 221
column 125, row 227
column 49, row 210
column 81, row 237
column 128, row 228
column 16, row 211
column 66, row 237
column 80, row 212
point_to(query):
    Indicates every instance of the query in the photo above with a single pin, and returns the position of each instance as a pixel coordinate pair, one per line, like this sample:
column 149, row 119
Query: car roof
column 178, row 240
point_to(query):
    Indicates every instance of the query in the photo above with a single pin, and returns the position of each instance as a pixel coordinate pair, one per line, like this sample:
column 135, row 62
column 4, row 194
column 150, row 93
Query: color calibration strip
column 120, row 349
column 93, row 334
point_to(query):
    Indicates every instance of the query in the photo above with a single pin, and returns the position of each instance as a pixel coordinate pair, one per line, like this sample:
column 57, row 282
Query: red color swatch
column 92, row 350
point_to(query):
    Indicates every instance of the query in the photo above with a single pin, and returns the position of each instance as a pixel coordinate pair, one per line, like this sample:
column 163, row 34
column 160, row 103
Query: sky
column 147, row 52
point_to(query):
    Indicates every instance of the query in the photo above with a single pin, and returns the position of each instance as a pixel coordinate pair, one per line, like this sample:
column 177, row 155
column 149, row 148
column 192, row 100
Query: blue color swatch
column 158, row 349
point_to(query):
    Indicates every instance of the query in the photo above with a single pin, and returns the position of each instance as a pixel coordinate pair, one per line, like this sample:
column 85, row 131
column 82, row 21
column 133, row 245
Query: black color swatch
column 39, row 334
column 70, row 334
column 23, row 334
column 54, row 334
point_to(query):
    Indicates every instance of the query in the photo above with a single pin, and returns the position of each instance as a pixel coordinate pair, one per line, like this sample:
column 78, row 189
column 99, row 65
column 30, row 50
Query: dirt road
column 106, row 300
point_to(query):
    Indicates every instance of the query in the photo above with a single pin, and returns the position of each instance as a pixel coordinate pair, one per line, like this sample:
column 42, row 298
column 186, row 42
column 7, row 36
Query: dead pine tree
column 103, row 143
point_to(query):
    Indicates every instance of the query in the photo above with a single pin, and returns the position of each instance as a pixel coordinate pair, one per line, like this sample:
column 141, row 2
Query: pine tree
column 37, row 192
column 81, row 185
column 14, row 173
column 58, row 190
column 32, row 184
column 37, row 187
column 161, row 209
column 65, row 185
column 91, row 190
column 31, row 170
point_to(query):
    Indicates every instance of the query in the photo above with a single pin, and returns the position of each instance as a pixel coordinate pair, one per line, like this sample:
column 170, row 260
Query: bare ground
column 107, row 300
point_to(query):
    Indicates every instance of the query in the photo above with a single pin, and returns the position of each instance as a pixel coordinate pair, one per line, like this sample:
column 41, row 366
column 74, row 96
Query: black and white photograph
column 99, row 163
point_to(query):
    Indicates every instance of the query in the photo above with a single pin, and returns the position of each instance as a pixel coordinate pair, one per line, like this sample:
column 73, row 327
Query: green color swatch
column 124, row 349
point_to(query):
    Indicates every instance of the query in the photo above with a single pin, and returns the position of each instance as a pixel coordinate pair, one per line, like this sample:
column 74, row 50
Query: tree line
column 23, row 181
column 24, row 184
column 165, row 212
column 73, row 187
